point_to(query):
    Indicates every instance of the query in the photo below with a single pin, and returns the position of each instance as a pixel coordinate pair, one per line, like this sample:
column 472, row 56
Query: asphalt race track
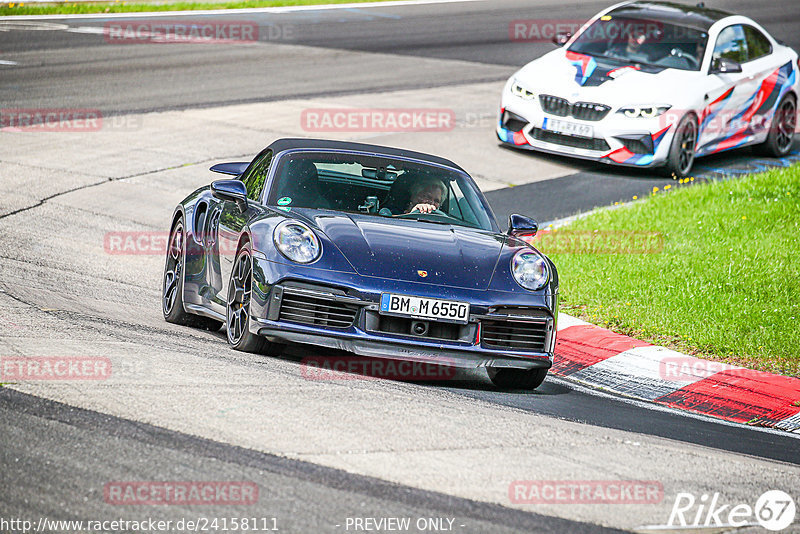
column 180, row 406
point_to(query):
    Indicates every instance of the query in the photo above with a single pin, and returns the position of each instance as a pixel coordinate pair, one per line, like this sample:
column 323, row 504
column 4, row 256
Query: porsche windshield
column 379, row 186
column 643, row 41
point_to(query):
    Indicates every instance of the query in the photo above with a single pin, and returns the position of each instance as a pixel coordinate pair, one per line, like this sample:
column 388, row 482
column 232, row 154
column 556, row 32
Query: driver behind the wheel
column 637, row 46
column 427, row 194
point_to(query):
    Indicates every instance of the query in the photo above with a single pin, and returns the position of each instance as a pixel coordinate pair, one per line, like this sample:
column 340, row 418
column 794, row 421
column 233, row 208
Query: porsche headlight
column 518, row 90
column 644, row 112
column 530, row 270
column 297, row 242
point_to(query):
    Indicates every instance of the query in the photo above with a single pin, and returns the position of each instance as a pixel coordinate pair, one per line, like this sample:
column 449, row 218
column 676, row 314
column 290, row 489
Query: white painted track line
column 272, row 10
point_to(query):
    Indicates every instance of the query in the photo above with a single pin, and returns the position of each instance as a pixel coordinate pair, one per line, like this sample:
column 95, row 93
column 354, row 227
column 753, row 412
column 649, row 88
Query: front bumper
column 294, row 304
column 399, row 349
column 615, row 139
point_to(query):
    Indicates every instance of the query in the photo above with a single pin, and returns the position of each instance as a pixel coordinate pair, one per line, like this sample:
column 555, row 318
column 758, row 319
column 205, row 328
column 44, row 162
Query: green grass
column 725, row 286
column 67, row 8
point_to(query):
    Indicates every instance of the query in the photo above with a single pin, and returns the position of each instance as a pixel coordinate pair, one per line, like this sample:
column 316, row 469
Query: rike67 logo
column 774, row 510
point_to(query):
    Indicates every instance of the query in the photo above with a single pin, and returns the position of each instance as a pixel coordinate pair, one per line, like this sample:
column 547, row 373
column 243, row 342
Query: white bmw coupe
column 655, row 84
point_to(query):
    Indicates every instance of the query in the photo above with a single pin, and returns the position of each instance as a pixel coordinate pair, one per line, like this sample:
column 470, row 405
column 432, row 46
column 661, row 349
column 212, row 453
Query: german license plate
column 568, row 128
column 425, row 308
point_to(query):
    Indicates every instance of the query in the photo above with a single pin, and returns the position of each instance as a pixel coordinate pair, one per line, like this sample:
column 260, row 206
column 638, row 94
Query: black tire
column 682, row 151
column 238, row 308
column 172, row 284
column 517, row 378
column 781, row 130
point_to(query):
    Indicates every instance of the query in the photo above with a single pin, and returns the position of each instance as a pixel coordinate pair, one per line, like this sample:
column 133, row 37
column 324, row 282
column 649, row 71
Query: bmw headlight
column 530, row 270
column 297, row 242
column 518, row 90
column 644, row 112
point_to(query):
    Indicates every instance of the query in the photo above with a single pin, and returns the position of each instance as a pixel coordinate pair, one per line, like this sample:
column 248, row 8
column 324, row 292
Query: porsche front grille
column 523, row 336
column 316, row 310
column 587, row 111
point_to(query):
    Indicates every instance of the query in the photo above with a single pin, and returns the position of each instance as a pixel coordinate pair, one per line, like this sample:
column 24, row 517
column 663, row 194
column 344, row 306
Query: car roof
column 673, row 13
column 281, row 145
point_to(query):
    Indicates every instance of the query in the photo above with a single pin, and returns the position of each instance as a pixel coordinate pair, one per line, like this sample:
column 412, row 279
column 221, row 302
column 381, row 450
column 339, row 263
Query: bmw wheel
column 682, row 151
column 172, row 284
column 781, row 131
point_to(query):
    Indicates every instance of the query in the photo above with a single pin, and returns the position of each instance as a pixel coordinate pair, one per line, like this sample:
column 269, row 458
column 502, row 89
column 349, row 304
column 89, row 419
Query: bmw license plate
column 425, row 308
column 568, row 128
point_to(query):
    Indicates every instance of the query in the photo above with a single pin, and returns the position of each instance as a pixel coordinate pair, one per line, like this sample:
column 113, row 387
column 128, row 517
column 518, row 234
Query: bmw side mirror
column 561, row 38
column 231, row 191
column 521, row 226
column 723, row 65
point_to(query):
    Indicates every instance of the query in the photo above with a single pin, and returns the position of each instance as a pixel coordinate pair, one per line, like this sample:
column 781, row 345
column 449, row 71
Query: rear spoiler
column 233, row 169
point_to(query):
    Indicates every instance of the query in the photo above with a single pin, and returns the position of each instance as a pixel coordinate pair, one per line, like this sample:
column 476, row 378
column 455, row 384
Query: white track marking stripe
column 274, row 10
column 565, row 321
column 637, row 372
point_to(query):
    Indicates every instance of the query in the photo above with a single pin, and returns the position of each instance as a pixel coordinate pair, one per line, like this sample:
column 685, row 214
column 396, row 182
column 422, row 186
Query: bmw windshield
column 643, row 41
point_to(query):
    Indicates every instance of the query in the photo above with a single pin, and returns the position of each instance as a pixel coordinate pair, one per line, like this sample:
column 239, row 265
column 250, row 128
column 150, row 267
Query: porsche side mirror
column 561, row 38
column 232, row 191
column 521, row 226
column 723, row 65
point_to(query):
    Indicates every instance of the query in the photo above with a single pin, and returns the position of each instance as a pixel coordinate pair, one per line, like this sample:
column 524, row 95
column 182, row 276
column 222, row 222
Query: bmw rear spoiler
column 233, row 169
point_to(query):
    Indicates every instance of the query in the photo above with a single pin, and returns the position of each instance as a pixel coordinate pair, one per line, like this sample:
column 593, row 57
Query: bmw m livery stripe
column 762, row 102
column 584, row 66
column 623, row 155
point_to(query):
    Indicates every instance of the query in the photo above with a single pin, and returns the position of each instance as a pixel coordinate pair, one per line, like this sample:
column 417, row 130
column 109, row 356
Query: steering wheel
column 415, row 214
column 434, row 212
column 690, row 59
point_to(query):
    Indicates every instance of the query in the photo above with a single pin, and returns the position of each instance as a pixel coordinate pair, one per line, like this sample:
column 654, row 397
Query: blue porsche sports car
column 383, row 252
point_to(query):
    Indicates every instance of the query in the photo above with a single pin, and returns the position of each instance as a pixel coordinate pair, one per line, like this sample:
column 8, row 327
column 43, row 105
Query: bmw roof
column 325, row 144
column 696, row 16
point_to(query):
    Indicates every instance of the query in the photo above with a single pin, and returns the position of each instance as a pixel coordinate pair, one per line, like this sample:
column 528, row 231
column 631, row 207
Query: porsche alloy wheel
column 682, row 152
column 172, row 284
column 517, row 378
column 173, row 269
column 781, row 132
column 240, row 290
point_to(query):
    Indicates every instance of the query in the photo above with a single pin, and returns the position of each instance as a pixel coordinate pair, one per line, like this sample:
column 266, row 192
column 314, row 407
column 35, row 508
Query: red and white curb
column 600, row 358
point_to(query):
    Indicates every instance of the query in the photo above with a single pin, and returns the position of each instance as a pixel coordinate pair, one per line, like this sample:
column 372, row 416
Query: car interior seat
column 301, row 184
